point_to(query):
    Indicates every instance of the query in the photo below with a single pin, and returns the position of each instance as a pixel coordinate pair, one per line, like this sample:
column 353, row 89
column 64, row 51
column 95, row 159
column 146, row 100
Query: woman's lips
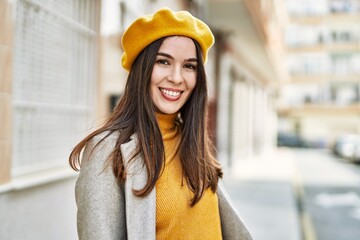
column 170, row 94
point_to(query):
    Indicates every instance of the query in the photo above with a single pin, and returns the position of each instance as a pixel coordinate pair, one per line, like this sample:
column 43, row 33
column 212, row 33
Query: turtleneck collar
column 166, row 122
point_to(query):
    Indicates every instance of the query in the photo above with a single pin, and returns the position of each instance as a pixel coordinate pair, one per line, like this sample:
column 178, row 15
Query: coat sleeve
column 232, row 226
column 100, row 200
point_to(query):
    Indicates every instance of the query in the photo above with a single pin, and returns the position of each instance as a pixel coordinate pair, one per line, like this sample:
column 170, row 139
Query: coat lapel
column 140, row 211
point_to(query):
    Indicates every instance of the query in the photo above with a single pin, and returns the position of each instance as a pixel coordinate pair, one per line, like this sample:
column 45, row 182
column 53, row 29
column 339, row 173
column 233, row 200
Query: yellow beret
column 163, row 23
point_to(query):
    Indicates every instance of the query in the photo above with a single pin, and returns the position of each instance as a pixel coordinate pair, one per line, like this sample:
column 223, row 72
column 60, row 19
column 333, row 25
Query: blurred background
column 284, row 108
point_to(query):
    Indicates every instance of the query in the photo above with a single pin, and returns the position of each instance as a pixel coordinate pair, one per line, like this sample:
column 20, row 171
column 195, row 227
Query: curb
column 307, row 225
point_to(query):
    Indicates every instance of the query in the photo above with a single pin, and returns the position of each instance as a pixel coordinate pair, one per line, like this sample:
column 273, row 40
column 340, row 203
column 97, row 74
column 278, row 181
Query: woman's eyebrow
column 165, row 55
column 191, row 60
column 171, row 57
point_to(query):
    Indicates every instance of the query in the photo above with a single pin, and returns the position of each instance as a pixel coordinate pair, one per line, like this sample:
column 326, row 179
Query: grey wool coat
column 108, row 211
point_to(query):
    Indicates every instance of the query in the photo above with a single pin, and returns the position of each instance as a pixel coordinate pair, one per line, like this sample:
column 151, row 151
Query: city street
column 293, row 194
column 262, row 190
column 329, row 195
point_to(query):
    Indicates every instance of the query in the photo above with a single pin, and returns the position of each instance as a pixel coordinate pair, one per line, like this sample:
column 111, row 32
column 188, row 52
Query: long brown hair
column 135, row 113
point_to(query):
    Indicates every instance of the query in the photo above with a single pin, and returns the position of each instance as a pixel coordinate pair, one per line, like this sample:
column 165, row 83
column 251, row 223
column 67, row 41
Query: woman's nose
column 176, row 75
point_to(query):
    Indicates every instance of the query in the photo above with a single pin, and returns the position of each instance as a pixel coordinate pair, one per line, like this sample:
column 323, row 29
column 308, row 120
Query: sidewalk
column 262, row 190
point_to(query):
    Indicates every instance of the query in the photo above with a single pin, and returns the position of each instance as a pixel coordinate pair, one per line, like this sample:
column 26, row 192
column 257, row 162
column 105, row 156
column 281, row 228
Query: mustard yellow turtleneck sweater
column 175, row 219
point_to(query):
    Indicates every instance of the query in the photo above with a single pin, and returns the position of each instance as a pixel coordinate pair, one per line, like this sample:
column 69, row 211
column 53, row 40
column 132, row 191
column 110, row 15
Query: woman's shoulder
column 105, row 136
column 108, row 137
column 98, row 149
column 105, row 142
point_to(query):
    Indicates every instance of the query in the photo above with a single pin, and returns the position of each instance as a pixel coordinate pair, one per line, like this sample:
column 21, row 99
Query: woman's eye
column 162, row 61
column 190, row 66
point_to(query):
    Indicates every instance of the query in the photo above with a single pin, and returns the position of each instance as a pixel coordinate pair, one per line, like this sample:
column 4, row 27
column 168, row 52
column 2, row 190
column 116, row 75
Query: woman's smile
column 170, row 94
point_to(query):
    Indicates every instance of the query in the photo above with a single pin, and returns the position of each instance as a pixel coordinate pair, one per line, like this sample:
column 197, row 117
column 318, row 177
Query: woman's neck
column 166, row 122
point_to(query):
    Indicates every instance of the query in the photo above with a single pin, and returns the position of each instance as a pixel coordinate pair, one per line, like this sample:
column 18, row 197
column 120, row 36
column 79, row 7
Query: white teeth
column 170, row 93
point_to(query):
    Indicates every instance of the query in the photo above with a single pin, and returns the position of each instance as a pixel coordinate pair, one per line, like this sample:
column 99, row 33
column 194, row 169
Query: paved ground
column 331, row 194
column 262, row 190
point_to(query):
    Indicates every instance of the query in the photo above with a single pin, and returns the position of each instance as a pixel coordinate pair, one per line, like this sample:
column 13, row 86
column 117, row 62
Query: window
column 54, row 80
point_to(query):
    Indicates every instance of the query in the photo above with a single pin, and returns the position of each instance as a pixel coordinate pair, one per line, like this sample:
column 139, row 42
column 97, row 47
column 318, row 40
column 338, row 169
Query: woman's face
column 174, row 74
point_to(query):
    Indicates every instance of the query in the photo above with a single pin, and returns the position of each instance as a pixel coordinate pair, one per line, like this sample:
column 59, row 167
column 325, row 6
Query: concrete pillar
column 223, row 110
column 267, row 121
column 261, row 120
column 245, row 120
column 6, row 52
column 236, row 121
column 271, row 123
column 251, row 117
column 257, row 128
column 240, row 121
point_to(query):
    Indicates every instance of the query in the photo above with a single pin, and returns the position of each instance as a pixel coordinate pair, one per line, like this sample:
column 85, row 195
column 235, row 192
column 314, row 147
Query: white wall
column 39, row 213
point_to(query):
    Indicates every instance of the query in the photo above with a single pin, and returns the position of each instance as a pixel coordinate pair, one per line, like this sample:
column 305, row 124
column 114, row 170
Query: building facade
column 48, row 64
column 322, row 99
column 248, row 58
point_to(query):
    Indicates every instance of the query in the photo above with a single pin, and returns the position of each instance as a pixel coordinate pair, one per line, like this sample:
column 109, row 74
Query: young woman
column 149, row 173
